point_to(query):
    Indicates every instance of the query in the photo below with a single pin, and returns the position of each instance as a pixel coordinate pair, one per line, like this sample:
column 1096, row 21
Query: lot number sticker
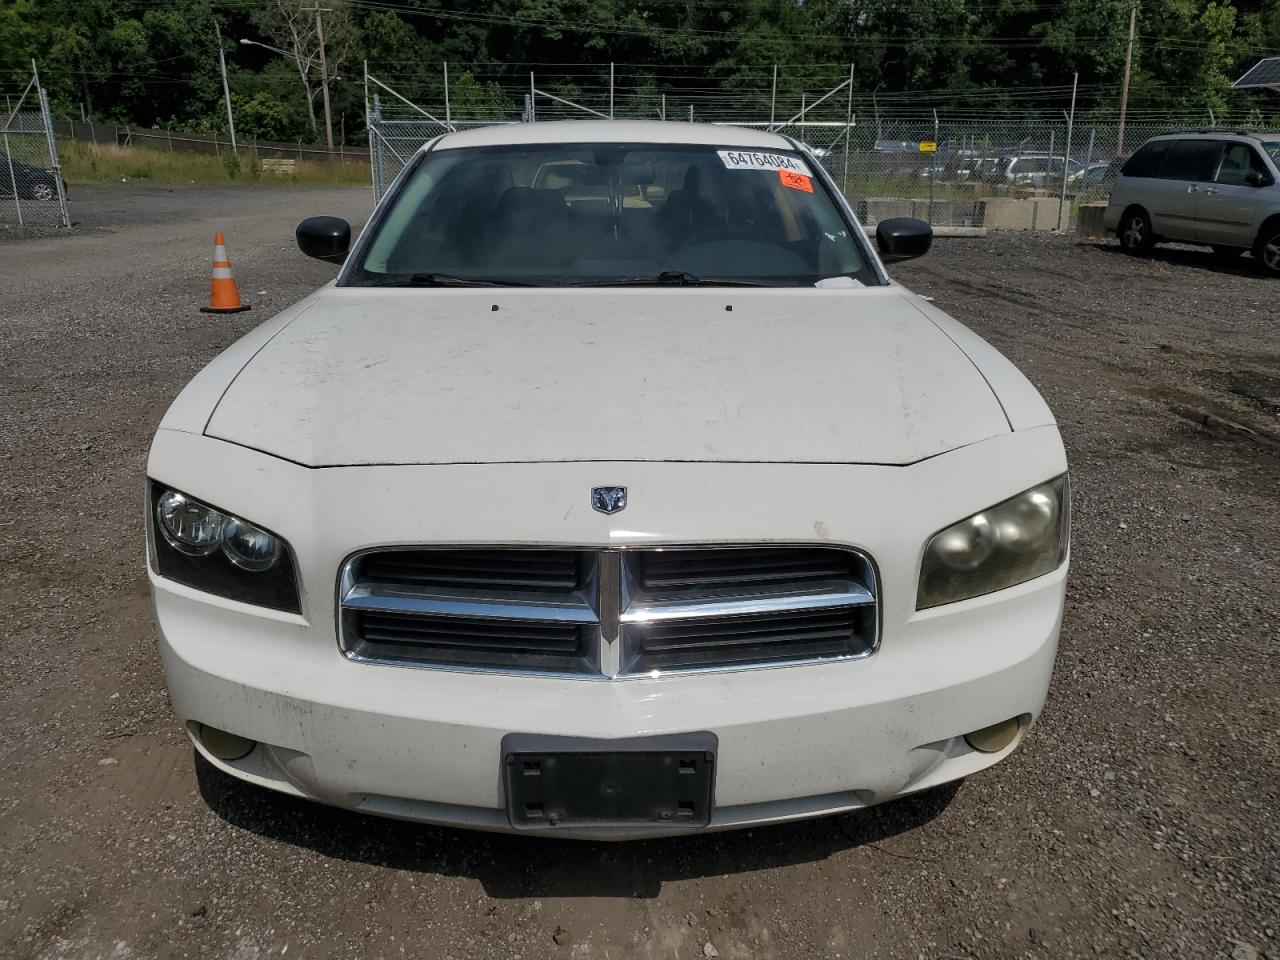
column 796, row 181
column 756, row 160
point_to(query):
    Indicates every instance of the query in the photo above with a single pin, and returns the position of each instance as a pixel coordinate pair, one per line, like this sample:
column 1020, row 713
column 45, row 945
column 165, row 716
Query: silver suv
column 1214, row 187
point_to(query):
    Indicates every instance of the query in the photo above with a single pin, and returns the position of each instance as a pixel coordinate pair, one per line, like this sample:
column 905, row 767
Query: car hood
column 367, row 376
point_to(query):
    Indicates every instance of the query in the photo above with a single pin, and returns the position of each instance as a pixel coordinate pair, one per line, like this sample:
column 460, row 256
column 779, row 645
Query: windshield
column 564, row 214
column 1272, row 147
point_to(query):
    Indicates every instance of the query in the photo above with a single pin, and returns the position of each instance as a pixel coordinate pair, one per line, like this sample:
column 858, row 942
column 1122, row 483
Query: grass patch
column 93, row 163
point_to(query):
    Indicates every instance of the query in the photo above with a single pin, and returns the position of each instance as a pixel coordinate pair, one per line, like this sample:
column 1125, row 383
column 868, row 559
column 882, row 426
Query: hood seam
column 964, row 353
column 204, row 430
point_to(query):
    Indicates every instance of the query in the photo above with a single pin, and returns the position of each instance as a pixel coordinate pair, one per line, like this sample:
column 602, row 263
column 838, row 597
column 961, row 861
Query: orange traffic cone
column 223, row 295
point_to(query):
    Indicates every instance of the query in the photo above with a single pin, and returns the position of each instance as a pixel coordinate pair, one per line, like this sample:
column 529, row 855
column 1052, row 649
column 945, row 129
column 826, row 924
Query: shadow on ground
column 516, row 867
column 1200, row 258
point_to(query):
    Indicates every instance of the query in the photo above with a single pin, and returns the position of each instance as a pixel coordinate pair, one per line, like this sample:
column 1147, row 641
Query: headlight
column 1010, row 543
column 211, row 550
column 189, row 526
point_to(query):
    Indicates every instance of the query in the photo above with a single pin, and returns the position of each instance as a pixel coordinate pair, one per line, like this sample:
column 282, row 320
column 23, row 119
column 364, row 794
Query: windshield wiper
column 446, row 280
column 671, row 278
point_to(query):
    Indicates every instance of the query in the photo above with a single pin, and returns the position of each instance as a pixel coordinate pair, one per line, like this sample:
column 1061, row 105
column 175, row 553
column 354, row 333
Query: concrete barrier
column 1046, row 215
column 882, row 208
column 1031, row 213
column 1089, row 220
column 1005, row 213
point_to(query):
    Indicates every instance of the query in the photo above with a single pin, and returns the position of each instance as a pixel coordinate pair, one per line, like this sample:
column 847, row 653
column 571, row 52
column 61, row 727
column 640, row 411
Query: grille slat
column 674, row 569
column 448, row 641
column 539, row 611
column 495, row 570
column 772, row 638
column 451, row 632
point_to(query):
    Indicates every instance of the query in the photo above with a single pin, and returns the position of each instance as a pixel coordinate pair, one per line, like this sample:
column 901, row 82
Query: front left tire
column 1135, row 233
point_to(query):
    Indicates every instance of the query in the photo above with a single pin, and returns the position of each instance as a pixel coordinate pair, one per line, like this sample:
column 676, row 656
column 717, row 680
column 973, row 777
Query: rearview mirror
column 1255, row 179
column 325, row 238
column 903, row 238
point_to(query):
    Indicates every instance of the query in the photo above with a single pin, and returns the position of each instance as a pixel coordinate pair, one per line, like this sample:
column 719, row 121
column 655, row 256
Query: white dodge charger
column 612, row 489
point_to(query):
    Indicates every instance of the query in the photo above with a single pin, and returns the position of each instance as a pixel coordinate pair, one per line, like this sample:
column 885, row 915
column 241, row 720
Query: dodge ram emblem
column 608, row 499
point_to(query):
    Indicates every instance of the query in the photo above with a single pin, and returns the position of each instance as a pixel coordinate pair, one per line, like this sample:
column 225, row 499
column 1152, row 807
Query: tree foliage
column 153, row 62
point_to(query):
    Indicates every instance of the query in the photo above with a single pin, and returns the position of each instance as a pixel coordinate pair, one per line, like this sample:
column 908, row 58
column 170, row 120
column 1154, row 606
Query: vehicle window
column 557, row 214
column 1146, row 162
column 1028, row 165
column 1192, row 160
column 1273, row 147
column 1238, row 161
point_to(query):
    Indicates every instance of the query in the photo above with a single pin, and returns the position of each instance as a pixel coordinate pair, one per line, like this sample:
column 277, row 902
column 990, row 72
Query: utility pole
column 1124, row 89
column 226, row 90
column 324, row 77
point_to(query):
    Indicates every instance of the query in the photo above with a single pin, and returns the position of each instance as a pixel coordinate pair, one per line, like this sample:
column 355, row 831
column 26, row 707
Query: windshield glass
column 562, row 214
column 1272, row 147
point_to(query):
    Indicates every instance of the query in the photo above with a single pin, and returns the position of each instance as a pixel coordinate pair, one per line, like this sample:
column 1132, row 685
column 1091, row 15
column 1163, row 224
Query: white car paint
column 809, row 376
column 362, row 418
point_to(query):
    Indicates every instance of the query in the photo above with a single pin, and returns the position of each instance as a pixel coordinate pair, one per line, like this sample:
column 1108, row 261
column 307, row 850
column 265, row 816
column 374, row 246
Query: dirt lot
column 1142, row 817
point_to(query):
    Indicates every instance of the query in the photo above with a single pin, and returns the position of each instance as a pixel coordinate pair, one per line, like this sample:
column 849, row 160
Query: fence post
column 533, row 96
column 46, row 116
column 13, row 180
column 1066, row 153
column 691, row 113
column 448, row 115
column 610, row 89
column 848, row 126
column 368, row 132
column 933, row 166
column 664, row 106
column 773, row 98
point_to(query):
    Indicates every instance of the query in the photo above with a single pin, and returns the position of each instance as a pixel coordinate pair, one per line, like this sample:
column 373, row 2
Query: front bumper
column 794, row 741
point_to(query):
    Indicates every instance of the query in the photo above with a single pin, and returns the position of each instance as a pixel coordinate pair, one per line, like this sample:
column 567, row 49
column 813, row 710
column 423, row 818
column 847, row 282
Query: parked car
column 1038, row 169
column 33, row 183
column 1210, row 187
column 1094, row 185
column 562, row 515
column 1096, row 174
column 826, row 159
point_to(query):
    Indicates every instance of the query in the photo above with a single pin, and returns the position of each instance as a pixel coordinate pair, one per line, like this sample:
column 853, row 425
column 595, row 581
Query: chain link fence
column 33, row 197
column 1032, row 171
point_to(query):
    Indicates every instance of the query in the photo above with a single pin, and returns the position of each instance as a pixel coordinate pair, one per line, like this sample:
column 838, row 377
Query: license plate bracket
column 557, row 782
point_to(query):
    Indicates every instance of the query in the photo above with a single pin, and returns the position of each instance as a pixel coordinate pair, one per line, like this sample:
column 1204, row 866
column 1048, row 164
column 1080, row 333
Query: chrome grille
column 480, row 569
column 472, row 641
column 676, row 569
column 608, row 613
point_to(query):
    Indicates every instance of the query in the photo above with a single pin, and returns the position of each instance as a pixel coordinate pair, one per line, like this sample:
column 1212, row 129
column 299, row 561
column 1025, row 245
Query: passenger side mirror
column 1255, row 179
column 325, row 238
column 903, row 238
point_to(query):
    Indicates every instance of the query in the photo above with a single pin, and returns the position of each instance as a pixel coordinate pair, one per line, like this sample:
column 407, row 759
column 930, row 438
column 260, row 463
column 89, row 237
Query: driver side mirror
column 325, row 238
column 903, row 238
column 1255, row 179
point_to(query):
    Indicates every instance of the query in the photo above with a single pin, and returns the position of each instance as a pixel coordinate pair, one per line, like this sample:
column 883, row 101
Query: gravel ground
column 1141, row 818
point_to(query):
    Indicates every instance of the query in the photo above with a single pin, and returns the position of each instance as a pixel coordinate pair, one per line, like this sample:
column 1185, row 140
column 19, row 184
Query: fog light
column 223, row 745
column 994, row 738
